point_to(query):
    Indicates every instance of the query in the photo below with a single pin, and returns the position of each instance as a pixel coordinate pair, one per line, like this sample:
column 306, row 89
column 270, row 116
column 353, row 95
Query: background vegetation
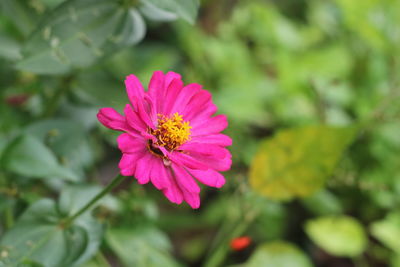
column 311, row 90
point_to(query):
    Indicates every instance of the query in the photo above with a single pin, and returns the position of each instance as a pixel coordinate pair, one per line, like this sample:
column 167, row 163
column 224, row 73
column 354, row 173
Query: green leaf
column 395, row 261
column 359, row 19
column 341, row 236
column 323, row 203
column 145, row 58
column 74, row 197
column 101, row 89
column 67, row 140
column 9, row 48
column 71, row 200
column 23, row 15
column 52, row 3
column 185, row 9
column 388, row 231
column 253, row 19
column 77, row 33
column 296, row 162
column 96, row 263
column 29, row 157
column 141, row 247
column 152, row 12
column 278, row 254
column 313, row 66
column 39, row 237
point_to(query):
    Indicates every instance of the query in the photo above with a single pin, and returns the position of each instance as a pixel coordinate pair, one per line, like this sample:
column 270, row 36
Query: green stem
column 360, row 261
column 9, row 217
column 376, row 116
column 319, row 103
column 116, row 181
column 101, row 259
column 54, row 101
column 219, row 254
column 11, row 194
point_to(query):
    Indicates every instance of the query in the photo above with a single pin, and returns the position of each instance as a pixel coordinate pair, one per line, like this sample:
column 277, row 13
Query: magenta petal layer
column 171, row 137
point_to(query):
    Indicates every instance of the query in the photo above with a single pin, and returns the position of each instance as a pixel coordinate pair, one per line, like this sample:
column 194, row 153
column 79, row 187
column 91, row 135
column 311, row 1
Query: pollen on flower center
column 171, row 131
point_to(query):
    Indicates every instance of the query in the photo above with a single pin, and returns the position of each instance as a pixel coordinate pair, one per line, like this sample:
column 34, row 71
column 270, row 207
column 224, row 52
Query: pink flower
column 170, row 137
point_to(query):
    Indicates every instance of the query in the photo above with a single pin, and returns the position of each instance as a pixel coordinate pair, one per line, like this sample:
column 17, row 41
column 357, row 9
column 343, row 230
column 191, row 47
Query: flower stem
column 219, row 254
column 116, row 181
column 101, row 259
column 9, row 217
column 54, row 101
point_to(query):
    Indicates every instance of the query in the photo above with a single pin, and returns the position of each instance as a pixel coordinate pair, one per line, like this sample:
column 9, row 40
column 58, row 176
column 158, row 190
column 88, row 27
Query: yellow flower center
column 172, row 131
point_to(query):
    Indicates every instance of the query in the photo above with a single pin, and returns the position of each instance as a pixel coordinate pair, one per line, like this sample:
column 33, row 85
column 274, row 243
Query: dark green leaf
column 185, row 9
column 323, row 203
column 23, row 15
column 77, row 33
column 152, row 12
column 9, row 48
column 101, row 89
column 395, row 261
column 38, row 237
column 29, row 157
column 142, row 247
column 75, row 197
column 71, row 200
column 67, row 140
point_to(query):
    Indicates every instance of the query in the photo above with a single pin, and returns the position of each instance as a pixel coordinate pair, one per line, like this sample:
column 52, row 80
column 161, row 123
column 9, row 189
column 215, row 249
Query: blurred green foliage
column 311, row 90
column 340, row 236
column 280, row 254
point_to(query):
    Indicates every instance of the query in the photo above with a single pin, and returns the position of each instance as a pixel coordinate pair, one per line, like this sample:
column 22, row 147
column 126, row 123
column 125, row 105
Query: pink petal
column 131, row 145
column 193, row 199
column 127, row 164
column 209, row 177
column 216, row 164
column 185, row 180
column 204, row 114
column 184, row 97
column 212, row 126
column 213, row 139
column 145, row 115
column 134, row 89
column 151, row 109
column 174, row 88
column 110, row 118
column 156, row 89
column 187, row 160
column 156, row 82
column 159, row 176
column 202, row 162
column 197, row 104
column 205, row 150
column 134, row 120
column 173, row 192
column 143, row 168
column 170, row 76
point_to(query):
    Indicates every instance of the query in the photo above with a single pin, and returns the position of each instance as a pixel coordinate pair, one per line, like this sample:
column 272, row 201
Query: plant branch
column 116, row 181
column 54, row 101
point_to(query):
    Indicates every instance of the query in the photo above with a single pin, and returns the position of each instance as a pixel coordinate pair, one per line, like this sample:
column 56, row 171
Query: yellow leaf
column 296, row 162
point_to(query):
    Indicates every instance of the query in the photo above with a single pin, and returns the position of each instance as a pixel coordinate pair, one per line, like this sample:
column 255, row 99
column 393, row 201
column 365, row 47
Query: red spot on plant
column 240, row 243
column 17, row 100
